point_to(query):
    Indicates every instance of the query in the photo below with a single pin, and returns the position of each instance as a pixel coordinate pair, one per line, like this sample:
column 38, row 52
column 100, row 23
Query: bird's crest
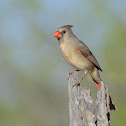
column 67, row 26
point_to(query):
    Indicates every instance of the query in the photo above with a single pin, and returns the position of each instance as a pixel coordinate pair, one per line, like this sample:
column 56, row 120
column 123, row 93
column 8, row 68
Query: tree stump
column 81, row 109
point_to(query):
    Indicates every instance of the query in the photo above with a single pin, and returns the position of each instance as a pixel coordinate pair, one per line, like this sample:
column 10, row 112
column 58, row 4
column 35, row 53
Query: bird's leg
column 78, row 83
column 71, row 73
column 83, row 77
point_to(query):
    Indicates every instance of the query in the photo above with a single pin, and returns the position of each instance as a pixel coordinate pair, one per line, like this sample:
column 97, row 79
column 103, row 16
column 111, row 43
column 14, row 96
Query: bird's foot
column 71, row 73
column 76, row 84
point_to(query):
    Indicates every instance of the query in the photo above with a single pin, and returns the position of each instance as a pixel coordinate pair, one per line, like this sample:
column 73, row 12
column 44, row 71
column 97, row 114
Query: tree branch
column 81, row 109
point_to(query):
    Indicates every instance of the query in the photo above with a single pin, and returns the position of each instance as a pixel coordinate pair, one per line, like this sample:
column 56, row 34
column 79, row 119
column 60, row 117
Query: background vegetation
column 33, row 73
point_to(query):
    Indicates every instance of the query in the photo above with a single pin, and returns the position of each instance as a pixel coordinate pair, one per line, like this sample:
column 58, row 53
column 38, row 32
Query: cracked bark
column 81, row 109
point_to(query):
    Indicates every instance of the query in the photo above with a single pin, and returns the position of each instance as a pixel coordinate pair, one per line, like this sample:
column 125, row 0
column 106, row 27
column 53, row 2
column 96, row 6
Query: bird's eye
column 64, row 31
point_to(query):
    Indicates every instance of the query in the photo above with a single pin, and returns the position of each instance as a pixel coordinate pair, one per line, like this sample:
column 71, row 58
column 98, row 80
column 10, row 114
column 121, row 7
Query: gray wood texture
column 81, row 110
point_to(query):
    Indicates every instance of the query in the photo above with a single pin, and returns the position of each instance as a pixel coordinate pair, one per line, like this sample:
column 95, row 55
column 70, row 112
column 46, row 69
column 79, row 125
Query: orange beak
column 57, row 34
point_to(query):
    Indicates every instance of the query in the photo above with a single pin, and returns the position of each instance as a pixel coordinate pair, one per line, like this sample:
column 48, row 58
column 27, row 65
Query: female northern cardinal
column 78, row 54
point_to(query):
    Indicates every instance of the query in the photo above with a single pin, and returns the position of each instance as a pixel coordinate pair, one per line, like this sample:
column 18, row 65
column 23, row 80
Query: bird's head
column 63, row 32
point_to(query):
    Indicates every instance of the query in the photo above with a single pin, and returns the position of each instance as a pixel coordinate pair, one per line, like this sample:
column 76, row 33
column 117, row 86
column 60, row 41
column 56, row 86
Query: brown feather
column 84, row 50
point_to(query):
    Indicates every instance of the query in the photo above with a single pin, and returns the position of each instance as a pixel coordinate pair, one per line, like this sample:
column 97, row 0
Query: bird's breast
column 74, row 58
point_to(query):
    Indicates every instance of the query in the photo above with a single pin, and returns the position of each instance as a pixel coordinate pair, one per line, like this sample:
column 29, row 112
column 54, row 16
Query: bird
column 77, row 54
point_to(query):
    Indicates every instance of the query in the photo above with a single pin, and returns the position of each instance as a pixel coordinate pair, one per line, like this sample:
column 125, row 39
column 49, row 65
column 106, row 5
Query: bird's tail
column 98, row 82
column 111, row 103
column 96, row 78
column 98, row 85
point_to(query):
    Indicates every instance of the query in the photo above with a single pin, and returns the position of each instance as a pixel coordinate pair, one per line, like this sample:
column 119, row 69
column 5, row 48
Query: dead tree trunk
column 81, row 109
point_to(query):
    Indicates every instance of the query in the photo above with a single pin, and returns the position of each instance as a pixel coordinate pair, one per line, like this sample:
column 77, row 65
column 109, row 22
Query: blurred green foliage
column 33, row 73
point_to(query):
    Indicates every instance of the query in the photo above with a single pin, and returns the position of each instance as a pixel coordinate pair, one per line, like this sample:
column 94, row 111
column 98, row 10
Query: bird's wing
column 85, row 51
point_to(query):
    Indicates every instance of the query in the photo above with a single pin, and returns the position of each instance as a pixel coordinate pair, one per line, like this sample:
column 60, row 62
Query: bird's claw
column 76, row 84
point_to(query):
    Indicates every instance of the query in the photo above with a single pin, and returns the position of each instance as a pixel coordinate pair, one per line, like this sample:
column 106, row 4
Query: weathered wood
column 102, row 107
column 81, row 109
